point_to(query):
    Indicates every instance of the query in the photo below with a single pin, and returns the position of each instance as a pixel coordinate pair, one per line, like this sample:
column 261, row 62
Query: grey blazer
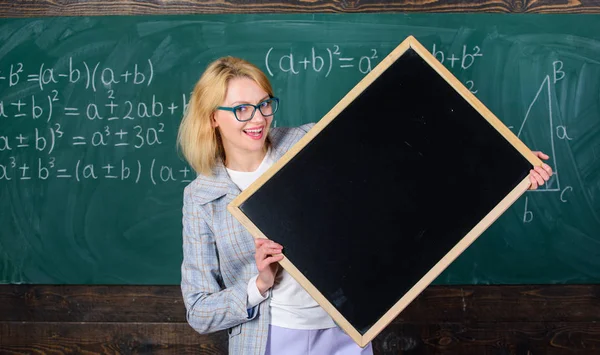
column 218, row 258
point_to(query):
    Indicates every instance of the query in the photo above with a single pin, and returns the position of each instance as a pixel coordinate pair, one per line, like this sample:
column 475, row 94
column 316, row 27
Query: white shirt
column 291, row 306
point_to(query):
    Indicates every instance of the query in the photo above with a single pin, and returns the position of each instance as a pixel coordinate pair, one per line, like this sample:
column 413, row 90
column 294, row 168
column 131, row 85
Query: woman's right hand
column 268, row 253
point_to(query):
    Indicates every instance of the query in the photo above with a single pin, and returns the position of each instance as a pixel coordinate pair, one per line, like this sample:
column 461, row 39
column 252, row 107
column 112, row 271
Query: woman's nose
column 258, row 117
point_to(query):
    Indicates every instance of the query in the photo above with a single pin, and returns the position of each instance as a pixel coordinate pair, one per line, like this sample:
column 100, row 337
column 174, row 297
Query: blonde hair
column 198, row 140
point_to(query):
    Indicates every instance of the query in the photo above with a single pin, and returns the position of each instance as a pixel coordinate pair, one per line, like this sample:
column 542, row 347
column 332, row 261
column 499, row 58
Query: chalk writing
column 324, row 61
column 319, row 61
column 106, row 123
column 80, row 170
column 87, row 74
column 560, row 131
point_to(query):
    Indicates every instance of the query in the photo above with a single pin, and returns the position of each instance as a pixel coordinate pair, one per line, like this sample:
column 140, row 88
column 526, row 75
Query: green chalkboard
column 91, row 182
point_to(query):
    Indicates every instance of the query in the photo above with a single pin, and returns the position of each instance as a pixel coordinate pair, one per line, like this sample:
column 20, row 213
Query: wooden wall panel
column 39, row 8
column 107, row 338
column 478, row 320
column 156, row 304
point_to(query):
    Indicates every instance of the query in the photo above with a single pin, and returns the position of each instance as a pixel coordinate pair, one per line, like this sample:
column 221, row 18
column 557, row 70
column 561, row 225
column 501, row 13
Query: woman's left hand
column 540, row 174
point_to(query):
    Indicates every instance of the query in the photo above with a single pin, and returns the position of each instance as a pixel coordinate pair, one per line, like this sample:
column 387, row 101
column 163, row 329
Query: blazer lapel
column 217, row 185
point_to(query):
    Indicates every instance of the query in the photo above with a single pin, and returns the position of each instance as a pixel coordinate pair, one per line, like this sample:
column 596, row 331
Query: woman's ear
column 213, row 120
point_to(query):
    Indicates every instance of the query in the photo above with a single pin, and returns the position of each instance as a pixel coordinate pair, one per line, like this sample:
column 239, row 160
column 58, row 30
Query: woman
column 228, row 278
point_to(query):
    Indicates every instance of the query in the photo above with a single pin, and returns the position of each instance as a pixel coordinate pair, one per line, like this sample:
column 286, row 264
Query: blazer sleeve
column 307, row 126
column 210, row 306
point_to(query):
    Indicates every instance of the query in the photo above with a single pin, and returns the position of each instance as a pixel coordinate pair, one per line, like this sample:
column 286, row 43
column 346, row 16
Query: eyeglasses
column 245, row 112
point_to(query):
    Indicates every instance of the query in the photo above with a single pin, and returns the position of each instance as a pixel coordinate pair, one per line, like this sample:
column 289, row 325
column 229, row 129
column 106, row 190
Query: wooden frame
column 45, row 8
column 470, row 237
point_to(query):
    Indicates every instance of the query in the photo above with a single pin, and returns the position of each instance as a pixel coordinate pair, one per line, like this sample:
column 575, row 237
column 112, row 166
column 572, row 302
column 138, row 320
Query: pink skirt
column 331, row 341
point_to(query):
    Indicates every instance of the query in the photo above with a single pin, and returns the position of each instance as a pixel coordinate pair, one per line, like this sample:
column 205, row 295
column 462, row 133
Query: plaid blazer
column 218, row 257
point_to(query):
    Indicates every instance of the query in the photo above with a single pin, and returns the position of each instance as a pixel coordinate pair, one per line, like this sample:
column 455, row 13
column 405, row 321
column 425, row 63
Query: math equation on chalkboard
column 80, row 105
column 60, row 121
column 323, row 61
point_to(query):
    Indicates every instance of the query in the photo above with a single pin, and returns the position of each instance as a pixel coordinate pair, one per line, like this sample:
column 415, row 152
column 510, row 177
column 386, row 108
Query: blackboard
column 537, row 73
column 370, row 216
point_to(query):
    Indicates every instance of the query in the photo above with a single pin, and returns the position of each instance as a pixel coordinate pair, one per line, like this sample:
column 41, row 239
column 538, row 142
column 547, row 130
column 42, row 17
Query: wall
column 526, row 319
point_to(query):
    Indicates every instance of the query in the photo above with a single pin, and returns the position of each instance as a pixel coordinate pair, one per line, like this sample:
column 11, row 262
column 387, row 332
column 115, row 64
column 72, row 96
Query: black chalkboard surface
column 387, row 190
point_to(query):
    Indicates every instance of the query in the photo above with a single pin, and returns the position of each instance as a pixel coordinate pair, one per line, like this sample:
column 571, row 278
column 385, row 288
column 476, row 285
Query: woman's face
column 242, row 137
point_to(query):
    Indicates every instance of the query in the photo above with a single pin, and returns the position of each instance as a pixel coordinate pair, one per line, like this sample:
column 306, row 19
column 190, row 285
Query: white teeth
column 253, row 130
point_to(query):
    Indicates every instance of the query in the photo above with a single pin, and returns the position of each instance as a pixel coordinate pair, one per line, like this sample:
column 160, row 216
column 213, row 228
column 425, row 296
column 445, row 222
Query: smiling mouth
column 254, row 132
